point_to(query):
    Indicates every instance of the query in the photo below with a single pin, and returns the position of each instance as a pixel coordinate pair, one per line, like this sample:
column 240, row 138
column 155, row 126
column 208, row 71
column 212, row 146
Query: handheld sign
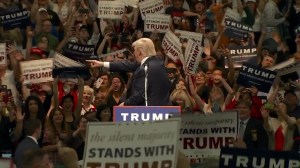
column 129, row 145
column 151, row 7
column 185, row 35
column 37, row 71
column 193, row 55
column 115, row 54
column 172, row 46
column 205, row 135
column 15, row 19
column 236, row 30
column 111, row 9
column 240, row 158
column 3, row 58
column 61, row 61
column 157, row 22
column 261, row 78
column 145, row 113
column 240, row 55
column 78, row 52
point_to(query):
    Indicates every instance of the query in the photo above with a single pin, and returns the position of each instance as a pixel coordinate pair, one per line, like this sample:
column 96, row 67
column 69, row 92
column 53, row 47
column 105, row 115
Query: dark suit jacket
column 158, row 82
column 173, row 84
column 25, row 145
column 255, row 136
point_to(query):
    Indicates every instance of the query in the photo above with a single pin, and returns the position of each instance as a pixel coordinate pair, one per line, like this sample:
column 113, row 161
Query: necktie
column 279, row 139
column 241, row 129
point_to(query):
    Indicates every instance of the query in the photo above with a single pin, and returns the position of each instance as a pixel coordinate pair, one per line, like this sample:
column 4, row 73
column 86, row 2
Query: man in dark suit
column 33, row 130
column 147, row 66
column 251, row 133
column 173, row 74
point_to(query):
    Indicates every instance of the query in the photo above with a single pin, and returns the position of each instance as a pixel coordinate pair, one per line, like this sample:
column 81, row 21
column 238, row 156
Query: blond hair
column 182, row 94
column 89, row 90
column 145, row 45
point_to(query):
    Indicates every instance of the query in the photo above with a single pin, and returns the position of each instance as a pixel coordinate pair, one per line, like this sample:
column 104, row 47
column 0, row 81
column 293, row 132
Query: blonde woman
column 216, row 100
column 182, row 98
column 87, row 100
column 201, row 85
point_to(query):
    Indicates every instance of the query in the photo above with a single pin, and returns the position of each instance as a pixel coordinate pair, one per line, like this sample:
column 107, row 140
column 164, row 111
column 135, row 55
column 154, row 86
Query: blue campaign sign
column 261, row 78
column 240, row 158
column 145, row 113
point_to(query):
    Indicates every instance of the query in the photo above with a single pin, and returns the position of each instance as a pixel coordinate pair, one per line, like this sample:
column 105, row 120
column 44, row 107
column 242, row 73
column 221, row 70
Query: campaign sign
column 116, row 54
column 241, row 158
column 15, row 19
column 151, row 7
column 37, row 71
column 172, row 46
column 205, row 135
column 157, row 22
column 62, row 61
column 78, row 52
column 236, row 30
column 193, row 55
column 111, row 9
column 145, row 113
column 132, row 145
column 241, row 54
column 3, row 58
column 261, row 78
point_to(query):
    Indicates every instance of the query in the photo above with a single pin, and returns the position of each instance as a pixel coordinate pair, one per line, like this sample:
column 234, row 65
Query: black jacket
column 255, row 136
column 158, row 82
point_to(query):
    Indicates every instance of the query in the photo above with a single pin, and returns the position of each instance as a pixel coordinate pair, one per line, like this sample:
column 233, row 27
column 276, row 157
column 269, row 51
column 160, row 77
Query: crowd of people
column 50, row 118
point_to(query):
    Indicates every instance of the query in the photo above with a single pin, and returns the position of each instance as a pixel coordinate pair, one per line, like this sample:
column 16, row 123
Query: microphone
column 146, row 84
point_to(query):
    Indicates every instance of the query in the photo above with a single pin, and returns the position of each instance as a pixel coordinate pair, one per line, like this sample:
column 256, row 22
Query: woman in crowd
column 87, row 100
column 280, row 130
column 115, row 95
column 104, row 114
column 56, row 131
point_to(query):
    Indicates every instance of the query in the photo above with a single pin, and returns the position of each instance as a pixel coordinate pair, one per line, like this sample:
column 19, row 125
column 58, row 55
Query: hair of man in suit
column 35, row 158
column 244, row 108
column 143, row 47
column 33, row 127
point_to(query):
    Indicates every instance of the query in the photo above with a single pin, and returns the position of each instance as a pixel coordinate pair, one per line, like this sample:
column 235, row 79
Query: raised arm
column 78, row 108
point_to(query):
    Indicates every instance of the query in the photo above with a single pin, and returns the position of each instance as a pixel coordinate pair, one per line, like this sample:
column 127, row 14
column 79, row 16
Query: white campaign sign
column 172, row 47
column 150, row 7
column 115, row 54
column 3, row 59
column 37, row 71
column 232, row 15
column 157, row 22
column 204, row 135
column 62, row 61
column 128, row 145
column 193, row 56
column 189, row 35
column 111, row 9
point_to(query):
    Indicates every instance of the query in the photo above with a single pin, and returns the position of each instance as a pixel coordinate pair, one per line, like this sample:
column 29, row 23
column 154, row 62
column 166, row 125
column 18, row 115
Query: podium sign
column 145, row 113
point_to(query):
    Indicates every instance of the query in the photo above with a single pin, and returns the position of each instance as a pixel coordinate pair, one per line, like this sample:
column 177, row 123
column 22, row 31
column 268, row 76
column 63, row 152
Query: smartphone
column 98, row 83
column 9, row 93
column 83, row 10
column 5, row 96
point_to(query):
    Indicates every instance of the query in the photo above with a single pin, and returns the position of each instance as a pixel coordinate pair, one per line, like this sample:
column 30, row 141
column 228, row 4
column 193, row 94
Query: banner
column 172, row 46
column 111, row 9
column 205, row 135
column 193, row 55
column 133, row 3
column 15, row 19
column 145, row 113
column 158, row 22
column 240, row 158
column 261, row 78
column 151, row 7
column 185, row 35
column 78, row 52
column 129, row 145
column 115, row 54
column 236, row 30
column 62, row 61
column 37, row 71
column 231, row 15
column 3, row 58
column 290, row 72
column 241, row 54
